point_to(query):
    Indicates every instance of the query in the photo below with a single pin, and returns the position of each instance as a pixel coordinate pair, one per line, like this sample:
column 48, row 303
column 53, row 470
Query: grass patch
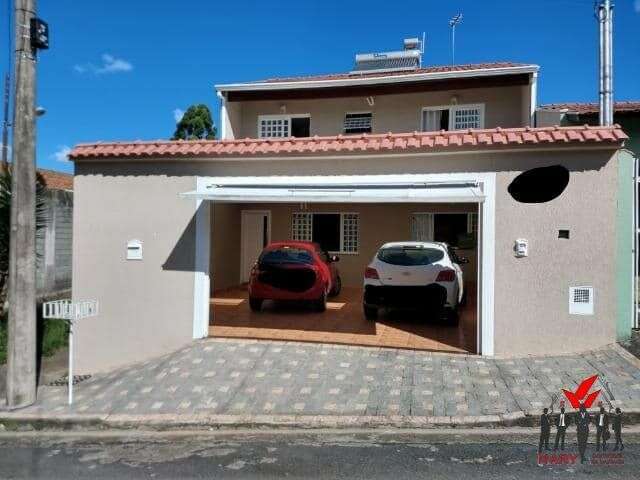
column 52, row 336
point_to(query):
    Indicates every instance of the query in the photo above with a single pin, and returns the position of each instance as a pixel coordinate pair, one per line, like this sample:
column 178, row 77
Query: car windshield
column 410, row 256
column 286, row 255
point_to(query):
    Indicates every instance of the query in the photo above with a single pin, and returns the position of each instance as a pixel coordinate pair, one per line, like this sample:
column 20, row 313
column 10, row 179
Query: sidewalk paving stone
column 237, row 377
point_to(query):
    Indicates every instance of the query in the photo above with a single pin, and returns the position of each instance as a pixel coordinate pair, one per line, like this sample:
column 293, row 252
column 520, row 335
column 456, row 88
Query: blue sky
column 119, row 69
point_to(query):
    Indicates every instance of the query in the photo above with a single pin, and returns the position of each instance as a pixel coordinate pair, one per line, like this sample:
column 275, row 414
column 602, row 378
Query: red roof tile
column 366, row 74
column 345, row 144
column 592, row 108
column 57, row 180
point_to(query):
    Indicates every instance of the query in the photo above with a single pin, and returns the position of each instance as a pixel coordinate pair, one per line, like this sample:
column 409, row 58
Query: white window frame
column 288, row 117
column 342, row 215
column 364, row 112
column 472, row 218
column 452, row 109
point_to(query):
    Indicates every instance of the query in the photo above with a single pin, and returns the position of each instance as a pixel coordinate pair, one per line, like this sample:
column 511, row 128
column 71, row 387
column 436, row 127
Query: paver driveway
column 342, row 323
column 265, row 377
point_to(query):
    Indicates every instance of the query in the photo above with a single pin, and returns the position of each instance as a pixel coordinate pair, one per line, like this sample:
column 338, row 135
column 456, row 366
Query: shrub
column 52, row 336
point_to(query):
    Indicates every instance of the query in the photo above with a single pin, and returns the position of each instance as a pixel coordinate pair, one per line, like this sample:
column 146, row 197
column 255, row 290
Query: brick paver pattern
column 243, row 377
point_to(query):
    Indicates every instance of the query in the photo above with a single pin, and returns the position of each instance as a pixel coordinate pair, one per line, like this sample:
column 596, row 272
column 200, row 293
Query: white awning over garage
column 338, row 189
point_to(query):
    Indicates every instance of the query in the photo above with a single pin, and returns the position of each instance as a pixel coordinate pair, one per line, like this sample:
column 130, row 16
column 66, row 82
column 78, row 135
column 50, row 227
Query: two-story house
column 391, row 150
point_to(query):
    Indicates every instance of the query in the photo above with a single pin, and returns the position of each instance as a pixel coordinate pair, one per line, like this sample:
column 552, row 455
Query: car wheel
column 320, row 305
column 452, row 317
column 255, row 304
column 336, row 287
column 370, row 313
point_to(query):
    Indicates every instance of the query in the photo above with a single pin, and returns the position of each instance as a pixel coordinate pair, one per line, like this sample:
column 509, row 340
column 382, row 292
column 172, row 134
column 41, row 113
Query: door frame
column 243, row 214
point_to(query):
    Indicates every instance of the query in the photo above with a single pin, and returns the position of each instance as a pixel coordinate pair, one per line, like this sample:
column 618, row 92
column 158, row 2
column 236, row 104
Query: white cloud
column 110, row 64
column 636, row 6
column 178, row 113
column 62, row 154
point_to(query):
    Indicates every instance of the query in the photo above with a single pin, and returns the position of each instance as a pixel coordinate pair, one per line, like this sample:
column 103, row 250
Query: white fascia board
column 354, row 189
column 385, row 79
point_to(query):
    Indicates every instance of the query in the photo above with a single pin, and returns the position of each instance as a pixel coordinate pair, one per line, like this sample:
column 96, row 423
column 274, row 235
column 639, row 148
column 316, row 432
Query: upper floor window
column 358, row 122
column 454, row 117
column 279, row 126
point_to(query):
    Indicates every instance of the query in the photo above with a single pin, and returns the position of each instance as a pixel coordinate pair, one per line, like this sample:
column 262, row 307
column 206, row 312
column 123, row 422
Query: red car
column 299, row 271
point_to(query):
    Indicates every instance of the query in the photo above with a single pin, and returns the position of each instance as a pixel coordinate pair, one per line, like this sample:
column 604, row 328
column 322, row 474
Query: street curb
column 16, row 421
column 12, row 421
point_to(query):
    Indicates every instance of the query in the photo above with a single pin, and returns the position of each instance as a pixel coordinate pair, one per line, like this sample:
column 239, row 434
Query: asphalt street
column 267, row 455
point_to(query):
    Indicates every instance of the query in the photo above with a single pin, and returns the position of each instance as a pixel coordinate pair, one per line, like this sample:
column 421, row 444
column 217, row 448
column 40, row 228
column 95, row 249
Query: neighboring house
column 53, row 245
column 627, row 115
column 389, row 151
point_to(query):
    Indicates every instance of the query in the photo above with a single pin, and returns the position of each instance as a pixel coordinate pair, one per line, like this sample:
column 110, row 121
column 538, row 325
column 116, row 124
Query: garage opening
column 349, row 234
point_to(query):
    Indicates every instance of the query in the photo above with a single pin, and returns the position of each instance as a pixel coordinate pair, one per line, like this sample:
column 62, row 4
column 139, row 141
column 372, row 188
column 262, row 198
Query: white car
column 421, row 275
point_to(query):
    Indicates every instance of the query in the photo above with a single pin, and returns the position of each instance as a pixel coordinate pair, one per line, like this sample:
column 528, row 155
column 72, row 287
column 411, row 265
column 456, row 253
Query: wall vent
column 581, row 300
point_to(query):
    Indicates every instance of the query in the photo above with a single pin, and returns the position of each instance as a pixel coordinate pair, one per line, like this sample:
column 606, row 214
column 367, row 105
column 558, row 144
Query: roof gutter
column 408, row 78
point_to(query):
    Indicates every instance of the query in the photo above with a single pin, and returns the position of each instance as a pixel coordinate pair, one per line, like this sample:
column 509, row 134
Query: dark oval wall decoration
column 539, row 185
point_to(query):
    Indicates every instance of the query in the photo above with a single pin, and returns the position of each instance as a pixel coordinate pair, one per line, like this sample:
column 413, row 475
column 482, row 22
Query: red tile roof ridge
column 347, row 143
column 350, row 137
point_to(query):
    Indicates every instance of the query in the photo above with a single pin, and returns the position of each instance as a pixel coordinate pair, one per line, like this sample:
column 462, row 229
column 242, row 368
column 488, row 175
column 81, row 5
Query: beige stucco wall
column 147, row 307
column 504, row 107
column 378, row 224
column 532, row 294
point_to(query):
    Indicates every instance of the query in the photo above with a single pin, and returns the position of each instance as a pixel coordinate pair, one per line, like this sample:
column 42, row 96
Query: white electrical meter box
column 521, row 248
column 134, row 250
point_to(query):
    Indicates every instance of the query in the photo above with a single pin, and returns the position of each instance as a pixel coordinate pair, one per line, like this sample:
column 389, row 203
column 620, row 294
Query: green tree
column 196, row 124
column 42, row 219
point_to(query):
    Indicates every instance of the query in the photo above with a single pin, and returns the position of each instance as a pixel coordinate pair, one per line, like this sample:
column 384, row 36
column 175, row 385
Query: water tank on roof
column 408, row 59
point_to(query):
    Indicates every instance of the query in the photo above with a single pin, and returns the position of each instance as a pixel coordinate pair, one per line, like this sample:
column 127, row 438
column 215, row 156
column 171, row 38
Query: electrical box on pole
column 39, row 30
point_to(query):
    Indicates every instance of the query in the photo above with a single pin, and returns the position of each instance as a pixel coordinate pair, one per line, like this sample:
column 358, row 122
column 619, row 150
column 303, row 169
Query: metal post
column 21, row 357
column 606, row 47
column 601, row 61
column 453, row 44
column 452, row 23
column 70, row 379
column 609, row 55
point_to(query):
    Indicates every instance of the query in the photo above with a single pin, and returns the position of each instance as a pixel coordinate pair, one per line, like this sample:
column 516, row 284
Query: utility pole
column 21, row 355
column 604, row 16
column 5, row 122
column 456, row 20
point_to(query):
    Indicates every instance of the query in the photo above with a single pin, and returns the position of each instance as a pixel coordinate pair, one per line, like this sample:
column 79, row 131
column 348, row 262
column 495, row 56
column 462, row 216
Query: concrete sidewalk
column 250, row 383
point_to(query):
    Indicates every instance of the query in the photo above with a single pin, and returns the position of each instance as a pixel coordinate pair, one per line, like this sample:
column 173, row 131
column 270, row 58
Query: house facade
column 383, row 153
